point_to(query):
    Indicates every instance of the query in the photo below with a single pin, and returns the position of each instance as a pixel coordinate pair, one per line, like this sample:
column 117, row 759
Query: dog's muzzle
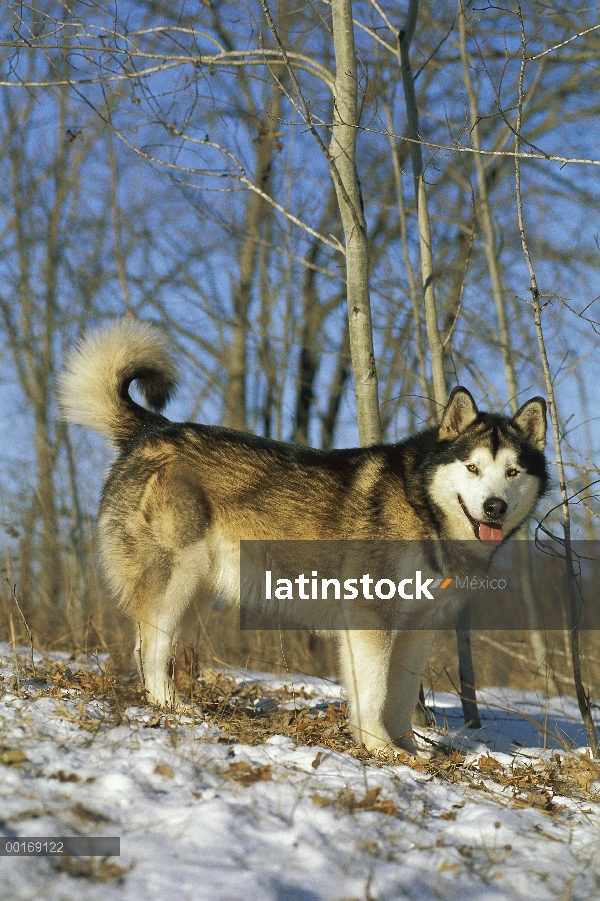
column 488, row 531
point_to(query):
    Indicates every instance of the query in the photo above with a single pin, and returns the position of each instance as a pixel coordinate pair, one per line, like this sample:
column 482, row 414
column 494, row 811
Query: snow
column 200, row 818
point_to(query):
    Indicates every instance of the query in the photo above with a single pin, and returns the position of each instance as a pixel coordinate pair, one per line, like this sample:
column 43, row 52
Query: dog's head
column 488, row 470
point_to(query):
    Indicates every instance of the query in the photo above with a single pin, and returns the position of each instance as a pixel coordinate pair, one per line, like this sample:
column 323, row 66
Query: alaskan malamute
column 180, row 496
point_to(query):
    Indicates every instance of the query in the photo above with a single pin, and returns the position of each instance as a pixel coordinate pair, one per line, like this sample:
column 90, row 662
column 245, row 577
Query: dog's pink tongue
column 490, row 533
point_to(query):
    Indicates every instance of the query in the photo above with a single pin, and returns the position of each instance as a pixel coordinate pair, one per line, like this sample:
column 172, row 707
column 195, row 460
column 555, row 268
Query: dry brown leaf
column 64, row 777
column 12, row 756
column 243, row 772
column 317, row 761
column 91, row 868
column 448, row 867
column 85, row 813
column 370, row 801
column 487, row 762
column 449, row 815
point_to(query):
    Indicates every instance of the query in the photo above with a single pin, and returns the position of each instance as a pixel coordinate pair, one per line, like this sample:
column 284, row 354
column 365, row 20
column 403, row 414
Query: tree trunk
column 342, row 150
column 416, row 154
column 313, row 316
column 336, row 391
column 236, row 398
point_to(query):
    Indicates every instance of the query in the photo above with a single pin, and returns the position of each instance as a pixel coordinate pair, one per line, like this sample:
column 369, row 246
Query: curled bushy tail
column 93, row 389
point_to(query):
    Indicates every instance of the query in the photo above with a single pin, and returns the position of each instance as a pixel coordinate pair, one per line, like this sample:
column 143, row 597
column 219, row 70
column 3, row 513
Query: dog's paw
column 388, row 753
column 394, row 752
column 415, row 749
column 187, row 706
column 173, row 702
column 422, row 754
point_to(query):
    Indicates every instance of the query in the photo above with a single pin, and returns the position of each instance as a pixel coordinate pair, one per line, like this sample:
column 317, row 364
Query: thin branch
column 335, row 174
column 242, row 178
column 562, row 43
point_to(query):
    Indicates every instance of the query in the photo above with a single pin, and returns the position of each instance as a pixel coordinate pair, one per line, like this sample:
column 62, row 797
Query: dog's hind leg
column 158, row 626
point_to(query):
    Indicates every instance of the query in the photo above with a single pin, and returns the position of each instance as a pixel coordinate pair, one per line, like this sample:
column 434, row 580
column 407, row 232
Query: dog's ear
column 459, row 413
column 530, row 420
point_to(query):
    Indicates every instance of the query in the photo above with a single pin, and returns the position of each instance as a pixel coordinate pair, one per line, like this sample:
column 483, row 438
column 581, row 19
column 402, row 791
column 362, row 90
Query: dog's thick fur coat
column 180, row 496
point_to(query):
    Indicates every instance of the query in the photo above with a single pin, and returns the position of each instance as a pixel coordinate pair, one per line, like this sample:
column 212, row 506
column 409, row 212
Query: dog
column 181, row 496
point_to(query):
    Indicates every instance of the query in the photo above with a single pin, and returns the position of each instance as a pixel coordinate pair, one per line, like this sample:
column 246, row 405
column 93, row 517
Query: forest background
column 169, row 161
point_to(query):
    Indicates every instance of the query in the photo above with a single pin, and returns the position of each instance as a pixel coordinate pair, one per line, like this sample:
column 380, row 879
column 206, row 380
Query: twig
column 502, row 647
column 13, row 591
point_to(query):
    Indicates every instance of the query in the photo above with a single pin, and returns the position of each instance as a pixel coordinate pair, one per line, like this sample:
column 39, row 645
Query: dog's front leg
column 382, row 672
column 407, row 663
column 364, row 662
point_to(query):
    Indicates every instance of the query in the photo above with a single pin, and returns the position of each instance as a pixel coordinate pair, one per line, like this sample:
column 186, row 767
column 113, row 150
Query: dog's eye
column 472, row 468
column 512, row 472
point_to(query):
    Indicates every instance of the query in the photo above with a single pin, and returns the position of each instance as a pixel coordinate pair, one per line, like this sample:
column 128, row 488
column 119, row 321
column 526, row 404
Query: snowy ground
column 498, row 816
